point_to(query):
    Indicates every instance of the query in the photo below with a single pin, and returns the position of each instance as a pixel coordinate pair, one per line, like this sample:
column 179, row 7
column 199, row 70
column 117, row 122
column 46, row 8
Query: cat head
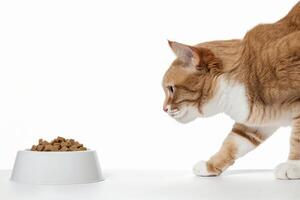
column 190, row 82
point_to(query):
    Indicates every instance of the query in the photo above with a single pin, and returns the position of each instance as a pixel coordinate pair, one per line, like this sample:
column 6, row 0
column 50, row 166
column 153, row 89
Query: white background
column 92, row 70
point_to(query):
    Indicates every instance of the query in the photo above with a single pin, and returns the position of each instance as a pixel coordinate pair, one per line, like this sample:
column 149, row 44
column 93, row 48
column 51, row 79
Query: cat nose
column 165, row 108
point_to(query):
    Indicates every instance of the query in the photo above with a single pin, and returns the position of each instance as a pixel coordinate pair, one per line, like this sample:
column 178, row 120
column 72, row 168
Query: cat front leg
column 291, row 168
column 241, row 140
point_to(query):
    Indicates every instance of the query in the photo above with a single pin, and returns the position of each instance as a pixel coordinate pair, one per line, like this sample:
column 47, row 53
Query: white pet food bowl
column 73, row 167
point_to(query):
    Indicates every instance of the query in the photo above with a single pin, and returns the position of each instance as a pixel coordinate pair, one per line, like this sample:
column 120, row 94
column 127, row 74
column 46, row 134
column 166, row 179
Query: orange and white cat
column 256, row 81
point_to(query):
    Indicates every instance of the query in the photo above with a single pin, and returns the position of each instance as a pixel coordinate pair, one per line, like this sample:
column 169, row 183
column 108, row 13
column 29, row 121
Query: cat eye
column 171, row 89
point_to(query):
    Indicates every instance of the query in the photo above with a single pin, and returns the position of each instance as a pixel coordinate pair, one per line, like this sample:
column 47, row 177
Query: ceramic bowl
column 73, row 167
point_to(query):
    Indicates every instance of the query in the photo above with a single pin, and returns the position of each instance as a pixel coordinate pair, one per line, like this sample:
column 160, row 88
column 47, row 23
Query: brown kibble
column 69, row 142
column 73, row 148
column 64, row 148
column 40, row 141
column 77, row 144
column 58, row 144
column 40, row 147
column 55, row 148
column 63, row 144
column 48, row 147
column 60, row 139
column 54, row 141
column 66, row 144
column 33, row 148
column 82, row 149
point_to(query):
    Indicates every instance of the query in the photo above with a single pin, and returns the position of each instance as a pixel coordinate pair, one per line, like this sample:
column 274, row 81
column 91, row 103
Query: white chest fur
column 230, row 98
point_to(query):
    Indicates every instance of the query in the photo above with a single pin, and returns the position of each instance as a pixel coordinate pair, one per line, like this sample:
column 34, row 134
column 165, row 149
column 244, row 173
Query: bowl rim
column 58, row 152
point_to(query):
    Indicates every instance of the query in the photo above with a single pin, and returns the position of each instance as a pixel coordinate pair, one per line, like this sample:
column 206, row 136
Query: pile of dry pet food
column 58, row 144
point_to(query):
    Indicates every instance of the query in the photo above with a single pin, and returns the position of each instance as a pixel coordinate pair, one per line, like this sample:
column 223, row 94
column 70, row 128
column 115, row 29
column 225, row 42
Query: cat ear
column 201, row 58
column 185, row 53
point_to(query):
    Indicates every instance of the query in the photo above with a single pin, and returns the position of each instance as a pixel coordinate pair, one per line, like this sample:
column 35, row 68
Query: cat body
column 256, row 81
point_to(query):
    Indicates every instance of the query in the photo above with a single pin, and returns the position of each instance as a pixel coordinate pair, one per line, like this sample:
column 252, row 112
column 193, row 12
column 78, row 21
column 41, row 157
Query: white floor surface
column 173, row 185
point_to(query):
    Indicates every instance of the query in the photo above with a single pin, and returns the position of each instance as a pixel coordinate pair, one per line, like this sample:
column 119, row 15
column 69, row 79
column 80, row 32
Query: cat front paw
column 288, row 170
column 201, row 169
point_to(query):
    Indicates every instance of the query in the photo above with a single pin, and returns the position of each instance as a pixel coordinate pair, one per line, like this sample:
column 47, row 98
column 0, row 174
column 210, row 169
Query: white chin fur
column 226, row 98
column 186, row 114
